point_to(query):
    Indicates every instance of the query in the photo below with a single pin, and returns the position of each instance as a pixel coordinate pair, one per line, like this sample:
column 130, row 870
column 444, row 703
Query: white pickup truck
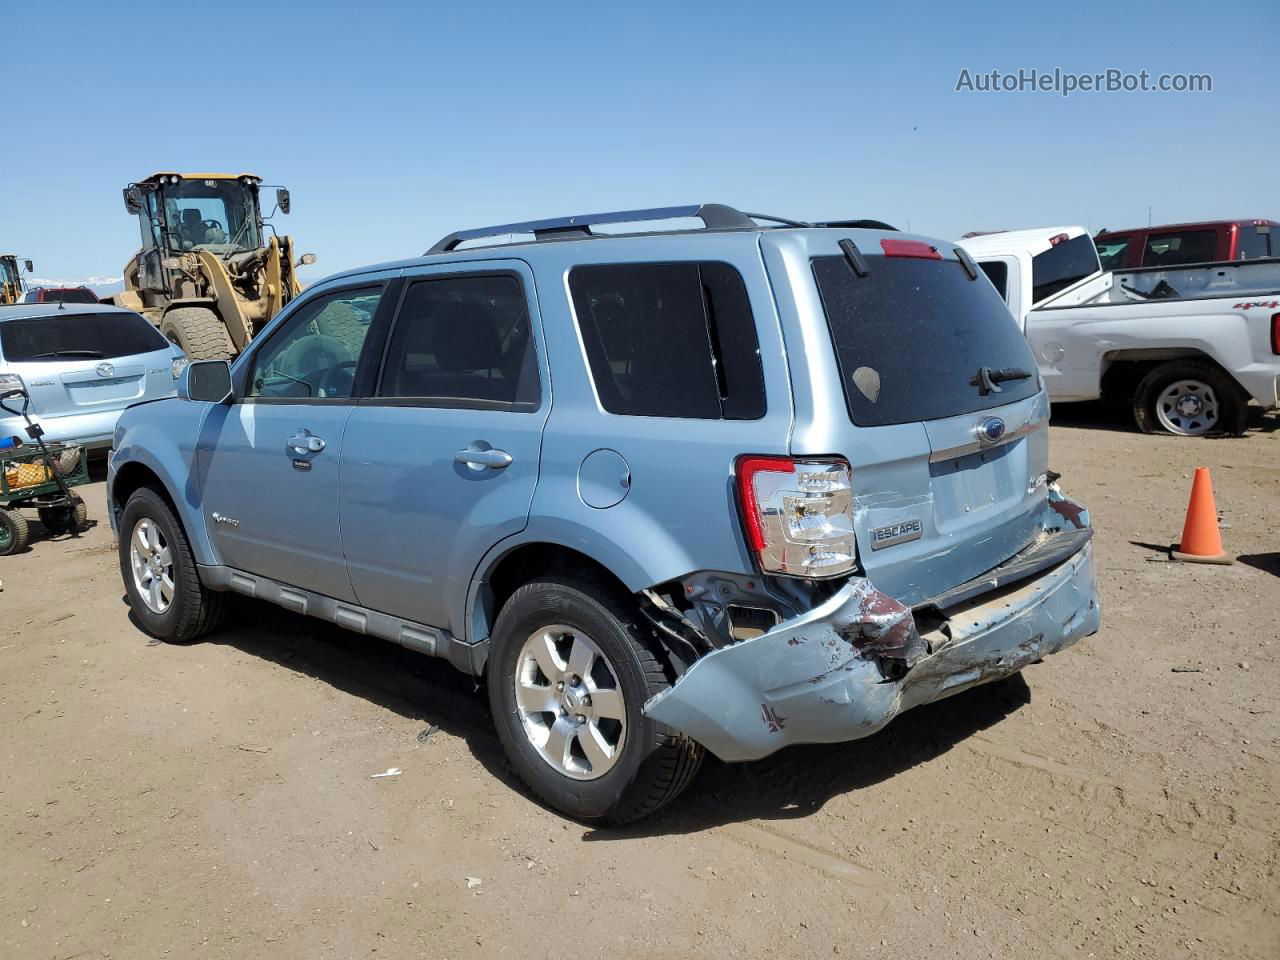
column 1187, row 347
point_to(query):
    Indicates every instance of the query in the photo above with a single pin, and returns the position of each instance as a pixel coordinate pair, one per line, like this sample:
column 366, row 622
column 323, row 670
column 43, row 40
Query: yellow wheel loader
column 11, row 285
column 212, row 271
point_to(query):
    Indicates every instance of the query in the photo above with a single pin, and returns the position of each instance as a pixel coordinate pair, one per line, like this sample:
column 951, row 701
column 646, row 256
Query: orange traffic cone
column 1201, row 541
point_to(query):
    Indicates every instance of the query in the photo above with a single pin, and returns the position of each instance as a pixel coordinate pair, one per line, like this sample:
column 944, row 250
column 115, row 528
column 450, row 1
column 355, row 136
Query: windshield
column 912, row 336
column 78, row 336
column 8, row 271
column 216, row 215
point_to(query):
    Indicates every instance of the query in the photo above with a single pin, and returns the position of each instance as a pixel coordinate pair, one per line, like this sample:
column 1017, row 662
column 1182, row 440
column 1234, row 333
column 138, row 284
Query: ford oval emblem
column 992, row 429
column 106, row 370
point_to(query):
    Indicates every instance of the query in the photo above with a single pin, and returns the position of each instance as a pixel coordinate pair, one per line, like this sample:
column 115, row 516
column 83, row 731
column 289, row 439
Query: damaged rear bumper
column 818, row 678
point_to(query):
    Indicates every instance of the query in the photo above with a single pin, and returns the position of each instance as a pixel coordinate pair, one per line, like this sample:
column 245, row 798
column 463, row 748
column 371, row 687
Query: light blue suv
column 727, row 488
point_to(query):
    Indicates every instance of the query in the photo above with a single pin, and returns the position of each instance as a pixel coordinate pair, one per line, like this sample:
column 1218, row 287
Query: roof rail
column 714, row 216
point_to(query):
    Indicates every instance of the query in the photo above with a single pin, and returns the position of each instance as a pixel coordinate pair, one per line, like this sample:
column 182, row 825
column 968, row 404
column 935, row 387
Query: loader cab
column 179, row 213
column 11, row 285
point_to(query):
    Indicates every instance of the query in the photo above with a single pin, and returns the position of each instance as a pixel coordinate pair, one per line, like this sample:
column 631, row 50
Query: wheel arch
column 1122, row 370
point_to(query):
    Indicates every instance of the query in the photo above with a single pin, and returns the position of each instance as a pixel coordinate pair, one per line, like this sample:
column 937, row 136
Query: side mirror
column 30, row 268
column 282, row 199
column 206, row 381
column 133, row 200
column 306, row 260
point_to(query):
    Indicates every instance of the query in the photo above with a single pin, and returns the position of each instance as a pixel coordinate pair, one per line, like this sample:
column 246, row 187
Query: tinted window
column 911, row 336
column 463, row 339
column 1172, row 249
column 670, row 339
column 1062, row 265
column 1111, row 252
column 1253, row 243
column 997, row 272
column 71, row 336
column 314, row 355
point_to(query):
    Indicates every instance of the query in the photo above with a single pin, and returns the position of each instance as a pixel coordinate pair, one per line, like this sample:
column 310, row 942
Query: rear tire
column 1214, row 403
column 190, row 610
column 198, row 332
column 14, row 532
column 64, row 519
column 652, row 763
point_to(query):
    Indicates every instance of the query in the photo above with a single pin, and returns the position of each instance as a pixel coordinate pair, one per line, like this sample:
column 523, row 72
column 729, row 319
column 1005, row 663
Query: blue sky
column 395, row 123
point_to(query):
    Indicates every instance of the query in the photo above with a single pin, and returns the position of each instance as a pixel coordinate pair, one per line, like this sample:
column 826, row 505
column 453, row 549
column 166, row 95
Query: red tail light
column 797, row 515
column 1275, row 333
column 896, row 247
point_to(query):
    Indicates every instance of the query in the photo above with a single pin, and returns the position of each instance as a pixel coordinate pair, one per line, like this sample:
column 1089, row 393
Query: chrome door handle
column 479, row 459
column 306, row 444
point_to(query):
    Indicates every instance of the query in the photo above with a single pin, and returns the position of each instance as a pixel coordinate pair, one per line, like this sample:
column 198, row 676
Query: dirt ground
column 1119, row 800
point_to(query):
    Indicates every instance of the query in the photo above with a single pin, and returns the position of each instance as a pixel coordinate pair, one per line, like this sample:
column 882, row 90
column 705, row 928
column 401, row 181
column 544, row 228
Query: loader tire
column 198, row 332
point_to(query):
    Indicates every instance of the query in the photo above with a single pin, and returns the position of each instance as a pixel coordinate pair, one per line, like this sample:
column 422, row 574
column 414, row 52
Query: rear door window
column 997, row 272
column 77, row 336
column 1062, row 265
column 1185, row 246
column 463, row 341
column 670, row 339
column 911, row 337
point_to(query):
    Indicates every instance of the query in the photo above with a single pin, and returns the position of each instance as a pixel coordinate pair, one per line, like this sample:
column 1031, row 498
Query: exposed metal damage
column 846, row 667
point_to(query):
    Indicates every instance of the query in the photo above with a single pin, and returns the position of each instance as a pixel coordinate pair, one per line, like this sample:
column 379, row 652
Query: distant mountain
column 102, row 286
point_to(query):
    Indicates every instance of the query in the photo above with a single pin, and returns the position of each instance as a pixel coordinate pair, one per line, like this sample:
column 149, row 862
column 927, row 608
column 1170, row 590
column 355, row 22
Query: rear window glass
column 1111, row 252
column 1254, row 243
column 1174, row 249
column 670, row 339
column 912, row 336
column 1062, row 265
column 78, row 336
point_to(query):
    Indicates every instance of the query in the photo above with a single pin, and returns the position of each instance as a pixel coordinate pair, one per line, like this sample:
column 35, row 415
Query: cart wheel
column 64, row 519
column 14, row 532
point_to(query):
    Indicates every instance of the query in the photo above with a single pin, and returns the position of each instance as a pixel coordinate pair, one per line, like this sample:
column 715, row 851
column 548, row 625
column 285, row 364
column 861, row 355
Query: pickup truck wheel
column 1190, row 398
column 159, row 573
column 570, row 666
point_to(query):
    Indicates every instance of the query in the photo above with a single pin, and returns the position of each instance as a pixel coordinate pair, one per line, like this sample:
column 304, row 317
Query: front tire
column 159, row 573
column 64, row 519
column 198, row 332
column 570, row 666
column 1190, row 398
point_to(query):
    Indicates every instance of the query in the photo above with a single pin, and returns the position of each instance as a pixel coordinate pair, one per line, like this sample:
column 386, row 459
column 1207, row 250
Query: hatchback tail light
column 798, row 515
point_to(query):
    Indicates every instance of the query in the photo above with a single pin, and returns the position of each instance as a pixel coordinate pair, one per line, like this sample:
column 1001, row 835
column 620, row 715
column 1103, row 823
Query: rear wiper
column 67, row 353
column 988, row 380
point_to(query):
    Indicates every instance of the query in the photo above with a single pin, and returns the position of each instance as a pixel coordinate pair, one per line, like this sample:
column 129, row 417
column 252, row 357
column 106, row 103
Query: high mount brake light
column 896, row 247
column 798, row 515
column 1057, row 239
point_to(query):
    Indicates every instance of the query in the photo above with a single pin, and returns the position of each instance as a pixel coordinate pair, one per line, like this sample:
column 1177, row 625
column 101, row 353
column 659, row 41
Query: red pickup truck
column 1176, row 244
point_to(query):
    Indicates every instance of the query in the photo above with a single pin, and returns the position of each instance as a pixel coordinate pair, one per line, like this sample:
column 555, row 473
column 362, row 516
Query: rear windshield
column 1111, row 251
column 912, row 336
column 77, row 336
column 1062, row 265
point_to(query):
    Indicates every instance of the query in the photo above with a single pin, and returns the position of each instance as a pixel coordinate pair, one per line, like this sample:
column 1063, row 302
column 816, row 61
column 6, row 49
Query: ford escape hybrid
column 727, row 488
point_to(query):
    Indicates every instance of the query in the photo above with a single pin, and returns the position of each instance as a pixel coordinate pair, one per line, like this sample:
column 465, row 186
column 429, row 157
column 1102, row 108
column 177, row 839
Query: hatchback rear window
column 1062, row 265
column 77, row 336
column 912, row 336
column 670, row 339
